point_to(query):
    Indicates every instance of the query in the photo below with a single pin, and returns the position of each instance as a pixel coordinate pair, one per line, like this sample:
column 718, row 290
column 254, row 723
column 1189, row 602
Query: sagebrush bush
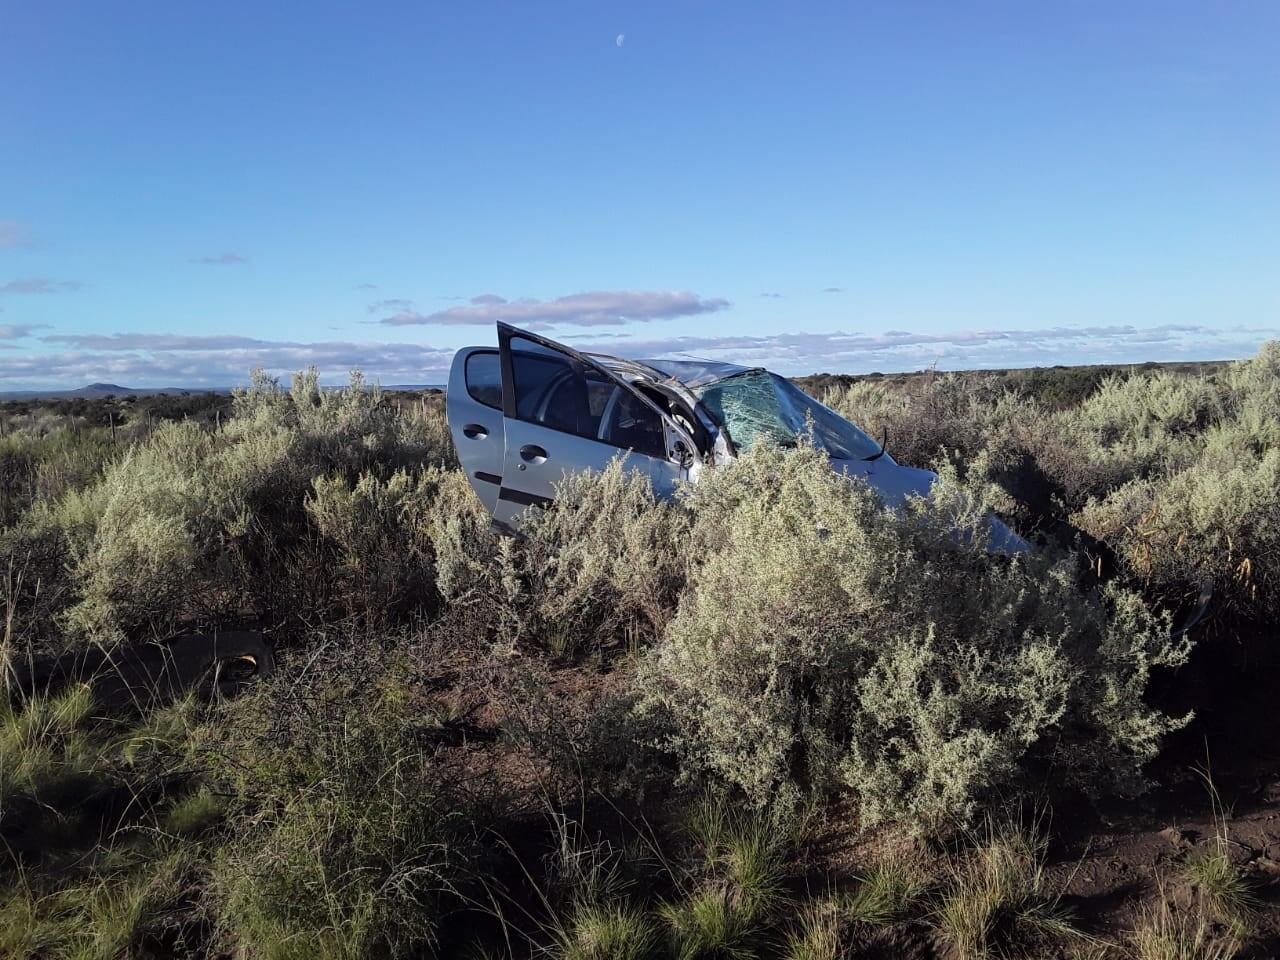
column 348, row 430
column 957, row 413
column 828, row 643
column 380, row 532
column 36, row 465
column 158, row 519
column 1175, row 473
column 198, row 523
column 1212, row 513
column 604, row 565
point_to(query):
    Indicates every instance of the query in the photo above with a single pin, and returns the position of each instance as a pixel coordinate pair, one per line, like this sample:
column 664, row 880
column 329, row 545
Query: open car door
column 562, row 413
column 473, row 407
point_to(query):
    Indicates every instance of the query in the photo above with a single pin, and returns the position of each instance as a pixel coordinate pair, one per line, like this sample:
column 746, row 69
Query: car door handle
column 475, row 431
column 532, row 453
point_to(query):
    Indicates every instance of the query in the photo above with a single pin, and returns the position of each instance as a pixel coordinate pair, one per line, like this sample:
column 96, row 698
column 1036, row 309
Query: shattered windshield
column 758, row 405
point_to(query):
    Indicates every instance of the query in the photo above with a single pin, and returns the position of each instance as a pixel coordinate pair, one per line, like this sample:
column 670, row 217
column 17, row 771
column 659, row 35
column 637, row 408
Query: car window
column 484, row 379
column 758, row 405
column 600, row 390
column 633, row 425
column 553, row 392
column 546, row 387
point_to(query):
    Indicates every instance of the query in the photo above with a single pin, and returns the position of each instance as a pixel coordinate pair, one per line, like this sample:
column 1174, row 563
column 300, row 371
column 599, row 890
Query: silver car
column 529, row 411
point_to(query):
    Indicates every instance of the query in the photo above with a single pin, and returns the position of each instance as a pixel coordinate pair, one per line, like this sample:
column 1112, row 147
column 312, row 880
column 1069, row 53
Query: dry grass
column 998, row 901
column 1163, row 933
column 616, row 931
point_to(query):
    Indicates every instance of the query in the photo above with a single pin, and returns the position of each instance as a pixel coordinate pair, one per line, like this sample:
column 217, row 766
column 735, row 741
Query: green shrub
column 38, row 466
column 154, row 517
column 601, row 568
column 1211, row 514
column 1165, row 933
column 346, row 430
column 819, row 934
column 200, row 524
column 380, row 531
column 110, row 912
column 732, row 887
column 958, row 413
column 827, row 643
column 884, row 893
column 713, row 924
column 466, row 547
column 604, row 564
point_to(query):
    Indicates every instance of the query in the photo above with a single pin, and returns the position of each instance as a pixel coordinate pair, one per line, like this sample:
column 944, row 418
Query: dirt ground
column 1220, row 777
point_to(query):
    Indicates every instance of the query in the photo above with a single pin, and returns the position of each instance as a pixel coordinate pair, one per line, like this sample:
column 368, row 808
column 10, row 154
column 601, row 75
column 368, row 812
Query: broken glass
column 758, row 405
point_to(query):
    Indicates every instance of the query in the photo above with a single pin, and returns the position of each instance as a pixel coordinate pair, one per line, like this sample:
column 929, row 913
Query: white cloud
column 148, row 359
column 898, row 350
column 595, row 308
column 177, row 360
column 394, row 303
column 18, row 331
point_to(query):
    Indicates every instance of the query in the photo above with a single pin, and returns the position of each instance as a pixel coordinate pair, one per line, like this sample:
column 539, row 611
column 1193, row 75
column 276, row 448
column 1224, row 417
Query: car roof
column 693, row 374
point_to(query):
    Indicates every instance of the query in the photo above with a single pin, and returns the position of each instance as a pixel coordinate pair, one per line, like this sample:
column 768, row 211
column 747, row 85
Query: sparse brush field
column 769, row 719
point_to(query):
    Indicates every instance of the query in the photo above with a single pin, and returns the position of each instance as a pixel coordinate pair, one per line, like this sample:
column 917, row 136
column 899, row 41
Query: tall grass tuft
column 998, row 900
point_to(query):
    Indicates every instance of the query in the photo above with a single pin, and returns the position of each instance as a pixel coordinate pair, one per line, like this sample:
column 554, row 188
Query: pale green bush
column 466, row 547
column 602, row 567
column 40, row 466
column 380, row 530
column 193, row 524
column 827, row 643
column 1174, row 472
column 157, row 517
column 957, row 413
column 351, row 429
column 1215, row 522
column 1140, row 426
column 1211, row 513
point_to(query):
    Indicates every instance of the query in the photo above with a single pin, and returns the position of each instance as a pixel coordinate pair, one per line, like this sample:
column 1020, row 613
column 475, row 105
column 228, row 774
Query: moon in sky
column 621, row 39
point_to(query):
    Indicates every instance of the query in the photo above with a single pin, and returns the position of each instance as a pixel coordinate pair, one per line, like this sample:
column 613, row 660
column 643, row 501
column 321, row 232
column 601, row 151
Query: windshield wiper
column 884, row 442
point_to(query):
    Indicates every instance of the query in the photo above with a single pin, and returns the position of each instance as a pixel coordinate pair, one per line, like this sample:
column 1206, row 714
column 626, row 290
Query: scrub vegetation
column 768, row 719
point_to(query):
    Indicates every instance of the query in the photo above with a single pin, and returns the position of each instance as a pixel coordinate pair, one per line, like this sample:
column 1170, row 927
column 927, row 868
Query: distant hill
column 97, row 391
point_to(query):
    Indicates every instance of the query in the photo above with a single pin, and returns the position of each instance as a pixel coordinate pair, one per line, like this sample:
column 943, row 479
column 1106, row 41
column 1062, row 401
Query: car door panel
column 477, row 425
column 560, row 413
column 539, row 458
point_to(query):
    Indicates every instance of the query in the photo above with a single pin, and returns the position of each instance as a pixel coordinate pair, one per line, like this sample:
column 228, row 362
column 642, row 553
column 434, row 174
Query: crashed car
column 525, row 414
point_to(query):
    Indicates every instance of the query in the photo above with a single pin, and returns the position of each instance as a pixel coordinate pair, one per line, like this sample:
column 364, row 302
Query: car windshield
column 758, row 405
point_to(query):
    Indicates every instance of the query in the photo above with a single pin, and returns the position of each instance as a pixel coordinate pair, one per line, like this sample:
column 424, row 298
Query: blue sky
column 189, row 190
